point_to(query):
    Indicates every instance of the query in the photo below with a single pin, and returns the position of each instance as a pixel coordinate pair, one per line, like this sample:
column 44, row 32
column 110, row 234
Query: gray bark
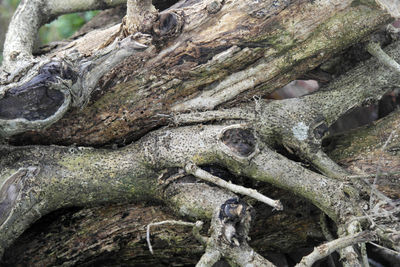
column 184, row 70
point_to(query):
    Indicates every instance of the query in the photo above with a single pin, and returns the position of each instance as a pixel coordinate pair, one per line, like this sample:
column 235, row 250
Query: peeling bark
column 274, row 46
column 172, row 81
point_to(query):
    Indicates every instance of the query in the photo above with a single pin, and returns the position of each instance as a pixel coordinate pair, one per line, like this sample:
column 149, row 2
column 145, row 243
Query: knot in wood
column 239, row 140
column 38, row 98
column 214, row 7
column 168, row 25
column 320, row 131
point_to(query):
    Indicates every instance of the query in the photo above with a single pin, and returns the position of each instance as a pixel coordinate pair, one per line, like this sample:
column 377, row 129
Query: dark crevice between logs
column 164, row 4
column 367, row 114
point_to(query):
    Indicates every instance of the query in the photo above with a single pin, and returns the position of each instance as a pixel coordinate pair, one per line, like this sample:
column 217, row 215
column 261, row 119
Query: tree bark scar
column 239, row 140
column 168, row 25
column 320, row 131
column 235, row 216
column 36, row 99
column 9, row 193
column 320, row 128
column 215, row 6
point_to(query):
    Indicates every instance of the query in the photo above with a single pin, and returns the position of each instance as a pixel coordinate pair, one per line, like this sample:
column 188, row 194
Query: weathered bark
column 75, row 237
column 188, row 68
column 115, row 235
column 276, row 44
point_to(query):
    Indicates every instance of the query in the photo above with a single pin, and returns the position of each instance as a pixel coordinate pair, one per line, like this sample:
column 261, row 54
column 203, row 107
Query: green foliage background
column 59, row 29
column 64, row 26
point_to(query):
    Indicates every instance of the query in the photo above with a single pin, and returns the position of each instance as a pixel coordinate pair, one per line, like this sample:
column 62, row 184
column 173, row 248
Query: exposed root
column 327, row 166
column 209, row 258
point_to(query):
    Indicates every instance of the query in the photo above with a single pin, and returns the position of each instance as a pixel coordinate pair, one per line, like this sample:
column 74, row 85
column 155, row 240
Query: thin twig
column 391, row 251
column 360, row 176
column 197, row 224
column 202, row 174
column 326, row 249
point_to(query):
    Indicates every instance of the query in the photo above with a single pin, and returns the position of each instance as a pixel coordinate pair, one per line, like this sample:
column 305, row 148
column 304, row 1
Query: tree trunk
column 105, row 134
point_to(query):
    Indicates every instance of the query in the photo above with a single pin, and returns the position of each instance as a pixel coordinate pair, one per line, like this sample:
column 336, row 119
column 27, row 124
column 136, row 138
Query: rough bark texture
column 139, row 102
column 276, row 43
column 115, row 235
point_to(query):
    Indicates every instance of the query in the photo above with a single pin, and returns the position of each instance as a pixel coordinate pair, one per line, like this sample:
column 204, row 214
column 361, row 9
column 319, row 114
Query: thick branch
column 28, row 18
column 116, row 170
column 140, row 16
column 206, row 56
column 130, row 167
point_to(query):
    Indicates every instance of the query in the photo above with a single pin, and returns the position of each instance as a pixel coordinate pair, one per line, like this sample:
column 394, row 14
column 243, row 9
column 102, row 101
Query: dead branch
column 201, row 174
column 327, row 248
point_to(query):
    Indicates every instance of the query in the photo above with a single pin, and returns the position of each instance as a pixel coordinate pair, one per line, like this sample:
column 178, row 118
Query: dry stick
column 390, row 251
column 372, row 175
column 326, row 249
column 196, row 117
column 202, row 174
column 197, row 224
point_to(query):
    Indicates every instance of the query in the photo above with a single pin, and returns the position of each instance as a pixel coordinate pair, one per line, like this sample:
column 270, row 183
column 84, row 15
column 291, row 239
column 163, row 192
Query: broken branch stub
column 140, row 16
column 37, row 103
column 229, row 229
